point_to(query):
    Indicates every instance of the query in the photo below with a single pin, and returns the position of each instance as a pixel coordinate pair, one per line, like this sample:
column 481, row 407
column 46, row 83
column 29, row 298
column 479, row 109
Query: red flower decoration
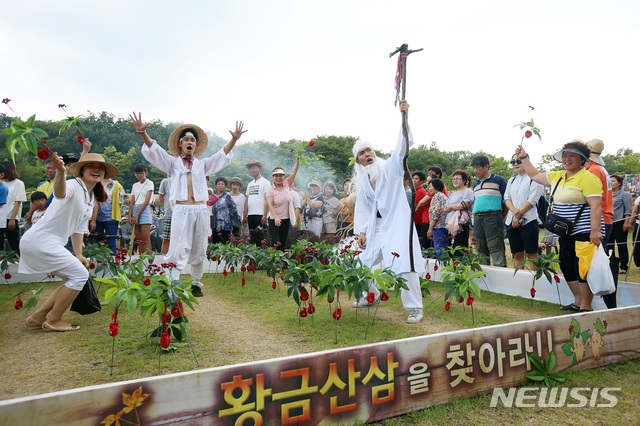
column 470, row 301
column 303, row 312
column 337, row 313
column 533, row 292
column 113, row 329
column 44, row 153
column 384, row 296
column 556, row 278
column 371, row 297
column 428, row 276
column 165, row 340
column 7, row 276
column 447, row 306
column 18, row 304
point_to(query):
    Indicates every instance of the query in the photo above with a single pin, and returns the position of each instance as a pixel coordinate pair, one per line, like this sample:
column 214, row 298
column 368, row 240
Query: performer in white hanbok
column 190, row 225
column 382, row 220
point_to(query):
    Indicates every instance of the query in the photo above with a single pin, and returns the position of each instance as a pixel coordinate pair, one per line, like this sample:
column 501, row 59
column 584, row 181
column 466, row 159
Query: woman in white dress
column 42, row 246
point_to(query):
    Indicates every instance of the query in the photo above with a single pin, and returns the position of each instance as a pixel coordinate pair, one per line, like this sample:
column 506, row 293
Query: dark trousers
column 109, row 231
column 279, row 234
column 619, row 238
column 13, row 237
column 253, row 221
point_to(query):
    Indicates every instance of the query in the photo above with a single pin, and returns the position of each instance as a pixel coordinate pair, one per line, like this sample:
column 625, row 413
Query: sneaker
column 363, row 303
column 196, row 291
column 415, row 316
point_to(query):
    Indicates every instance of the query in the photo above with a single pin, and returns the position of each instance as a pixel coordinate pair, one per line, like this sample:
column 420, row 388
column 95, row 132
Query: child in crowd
column 39, row 204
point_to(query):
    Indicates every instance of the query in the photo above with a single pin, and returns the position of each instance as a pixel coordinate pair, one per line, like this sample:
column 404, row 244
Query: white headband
column 359, row 146
column 188, row 134
column 278, row 172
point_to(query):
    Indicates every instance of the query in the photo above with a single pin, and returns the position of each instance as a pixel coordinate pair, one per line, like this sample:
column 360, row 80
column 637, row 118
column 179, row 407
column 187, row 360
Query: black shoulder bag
column 87, row 301
column 559, row 225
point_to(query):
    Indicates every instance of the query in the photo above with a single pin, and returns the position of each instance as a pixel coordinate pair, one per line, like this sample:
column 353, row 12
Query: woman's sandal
column 49, row 328
column 32, row 324
column 570, row 307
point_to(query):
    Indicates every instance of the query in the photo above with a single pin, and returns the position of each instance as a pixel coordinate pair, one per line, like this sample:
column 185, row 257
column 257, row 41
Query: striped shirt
column 488, row 194
column 572, row 194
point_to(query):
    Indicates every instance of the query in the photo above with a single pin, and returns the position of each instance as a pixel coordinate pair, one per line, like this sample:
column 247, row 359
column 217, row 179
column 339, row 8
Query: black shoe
column 570, row 307
column 196, row 291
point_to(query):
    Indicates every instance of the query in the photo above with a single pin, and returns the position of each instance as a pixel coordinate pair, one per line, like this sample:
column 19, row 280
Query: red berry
column 447, row 306
column 18, row 304
column 528, row 134
column 80, row 139
column 7, row 276
column 435, row 268
column 533, row 292
column 330, row 299
column 384, row 296
column 92, row 265
column 371, row 297
column 461, row 299
column 147, row 281
column 337, row 313
column 175, row 311
column 44, row 153
column 274, row 285
column 311, row 309
column 469, row 301
column 113, row 329
column 232, row 269
column 165, row 340
column 556, row 278
column 311, row 143
column 282, row 277
column 303, row 312
column 166, row 317
column 224, row 272
column 428, row 276
column 244, row 281
column 243, row 268
column 304, row 296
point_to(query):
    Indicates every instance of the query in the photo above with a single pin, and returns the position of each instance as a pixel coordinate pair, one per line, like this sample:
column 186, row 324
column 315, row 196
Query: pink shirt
column 280, row 201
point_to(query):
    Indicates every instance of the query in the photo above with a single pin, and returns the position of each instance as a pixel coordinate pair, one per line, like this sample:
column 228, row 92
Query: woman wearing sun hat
column 576, row 196
column 190, row 224
column 281, row 206
column 42, row 246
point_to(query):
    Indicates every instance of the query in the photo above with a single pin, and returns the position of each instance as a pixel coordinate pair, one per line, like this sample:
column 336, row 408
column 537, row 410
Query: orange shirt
column 607, row 195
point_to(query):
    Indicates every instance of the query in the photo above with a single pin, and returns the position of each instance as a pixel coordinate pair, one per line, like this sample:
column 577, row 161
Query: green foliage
column 543, row 370
column 24, row 134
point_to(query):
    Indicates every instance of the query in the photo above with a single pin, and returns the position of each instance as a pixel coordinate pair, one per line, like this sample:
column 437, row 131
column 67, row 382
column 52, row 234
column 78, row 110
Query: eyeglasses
column 513, row 162
column 456, row 178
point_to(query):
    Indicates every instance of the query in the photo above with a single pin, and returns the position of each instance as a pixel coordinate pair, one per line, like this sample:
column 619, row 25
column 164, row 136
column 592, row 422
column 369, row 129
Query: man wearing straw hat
column 256, row 213
column 190, row 227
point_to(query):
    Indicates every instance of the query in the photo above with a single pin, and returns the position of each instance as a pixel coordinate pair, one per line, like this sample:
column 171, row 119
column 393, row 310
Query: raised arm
column 235, row 135
column 531, row 170
column 141, row 128
column 59, row 182
column 294, row 172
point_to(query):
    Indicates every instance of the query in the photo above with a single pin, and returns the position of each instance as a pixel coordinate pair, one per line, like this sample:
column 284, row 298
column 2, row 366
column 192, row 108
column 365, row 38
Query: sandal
column 570, row 307
column 48, row 327
column 32, row 324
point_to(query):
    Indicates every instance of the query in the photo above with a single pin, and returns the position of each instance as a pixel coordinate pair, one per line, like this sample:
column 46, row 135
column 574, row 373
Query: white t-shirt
column 165, row 190
column 239, row 199
column 36, row 216
column 16, row 193
column 139, row 190
column 256, row 190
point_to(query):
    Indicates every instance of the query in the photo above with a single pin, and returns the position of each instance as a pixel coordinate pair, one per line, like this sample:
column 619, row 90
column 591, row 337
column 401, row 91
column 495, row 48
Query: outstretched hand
column 136, row 122
column 520, row 152
column 58, row 163
column 238, row 131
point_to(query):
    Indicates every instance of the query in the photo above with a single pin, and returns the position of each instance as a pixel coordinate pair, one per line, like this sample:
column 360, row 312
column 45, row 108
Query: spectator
column 164, row 197
column 596, row 165
column 579, row 200
column 225, row 213
column 633, row 222
column 4, row 194
column 140, row 211
column 190, row 227
column 345, row 216
column 620, row 229
column 241, row 204
column 312, row 204
column 106, row 216
column 256, row 202
column 39, row 205
column 488, row 220
column 331, row 210
column 460, row 202
column 521, row 196
column 281, row 207
column 67, row 216
column 46, row 185
column 437, row 217
column 421, row 216
column 295, row 197
column 17, row 195
column 379, row 223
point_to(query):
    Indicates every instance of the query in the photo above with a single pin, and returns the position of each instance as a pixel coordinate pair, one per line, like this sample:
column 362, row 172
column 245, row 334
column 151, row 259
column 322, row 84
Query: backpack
column 542, row 205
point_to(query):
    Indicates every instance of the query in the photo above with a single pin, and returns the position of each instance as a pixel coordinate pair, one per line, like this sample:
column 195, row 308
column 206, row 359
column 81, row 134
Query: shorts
column 166, row 228
column 524, row 238
column 145, row 217
column 568, row 258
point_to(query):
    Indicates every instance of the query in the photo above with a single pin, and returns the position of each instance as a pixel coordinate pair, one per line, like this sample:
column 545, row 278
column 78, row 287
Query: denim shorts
column 145, row 217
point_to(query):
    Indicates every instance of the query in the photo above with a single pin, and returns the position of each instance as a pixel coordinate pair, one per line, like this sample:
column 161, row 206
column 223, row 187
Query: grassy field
column 234, row 324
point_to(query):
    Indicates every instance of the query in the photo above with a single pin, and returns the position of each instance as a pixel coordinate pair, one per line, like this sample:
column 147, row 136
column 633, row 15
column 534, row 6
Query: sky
column 295, row 69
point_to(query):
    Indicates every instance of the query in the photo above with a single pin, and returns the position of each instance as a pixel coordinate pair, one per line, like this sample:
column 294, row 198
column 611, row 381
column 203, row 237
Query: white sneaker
column 415, row 316
column 363, row 303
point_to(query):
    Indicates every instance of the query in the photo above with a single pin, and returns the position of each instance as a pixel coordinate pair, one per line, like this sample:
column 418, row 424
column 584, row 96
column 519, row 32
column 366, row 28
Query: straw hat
column 236, row 180
column 315, row 182
column 201, row 139
column 596, row 146
column 111, row 170
column 254, row 163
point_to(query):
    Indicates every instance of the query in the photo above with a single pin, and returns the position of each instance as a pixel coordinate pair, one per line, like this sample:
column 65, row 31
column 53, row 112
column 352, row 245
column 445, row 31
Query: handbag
column 453, row 225
column 292, row 209
column 599, row 277
column 87, row 301
column 559, row 225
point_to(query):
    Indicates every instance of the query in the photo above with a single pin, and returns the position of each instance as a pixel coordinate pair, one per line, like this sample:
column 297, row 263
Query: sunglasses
column 513, row 162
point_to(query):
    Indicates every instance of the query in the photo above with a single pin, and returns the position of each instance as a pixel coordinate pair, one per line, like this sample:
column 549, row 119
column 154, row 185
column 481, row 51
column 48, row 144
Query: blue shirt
column 489, row 193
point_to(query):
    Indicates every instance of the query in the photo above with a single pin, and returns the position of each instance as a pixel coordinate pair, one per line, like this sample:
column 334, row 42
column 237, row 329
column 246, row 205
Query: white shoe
column 415, row 316
column 363, row 303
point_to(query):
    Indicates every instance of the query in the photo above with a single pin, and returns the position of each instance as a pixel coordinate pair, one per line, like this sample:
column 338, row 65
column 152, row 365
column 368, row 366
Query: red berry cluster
column 153, row 269
column 307, row 307
column 114, row 326
column 121, row 255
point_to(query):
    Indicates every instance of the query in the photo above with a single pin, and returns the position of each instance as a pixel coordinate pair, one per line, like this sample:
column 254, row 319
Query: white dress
column 42, row 246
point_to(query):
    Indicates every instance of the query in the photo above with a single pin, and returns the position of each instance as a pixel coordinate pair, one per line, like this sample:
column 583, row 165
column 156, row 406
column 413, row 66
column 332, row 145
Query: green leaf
column 31, row 120
column 550, row 361
column 536, row 376
column 536, row 361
